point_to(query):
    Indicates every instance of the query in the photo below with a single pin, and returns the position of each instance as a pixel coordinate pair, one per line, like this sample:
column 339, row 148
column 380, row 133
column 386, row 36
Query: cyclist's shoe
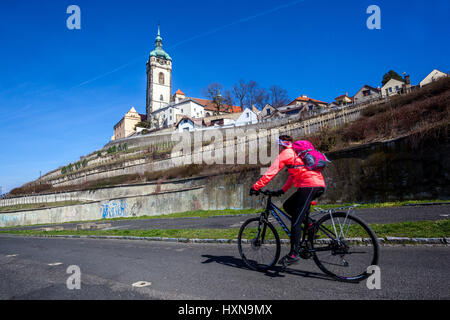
column 289, row 259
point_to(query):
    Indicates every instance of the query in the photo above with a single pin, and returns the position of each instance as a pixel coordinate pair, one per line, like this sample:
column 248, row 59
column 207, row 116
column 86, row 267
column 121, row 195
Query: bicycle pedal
column 283, row 266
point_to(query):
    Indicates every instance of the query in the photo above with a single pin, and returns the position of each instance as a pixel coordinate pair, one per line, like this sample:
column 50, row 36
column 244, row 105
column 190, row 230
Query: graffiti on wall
column 115, row 209
column 9, row 219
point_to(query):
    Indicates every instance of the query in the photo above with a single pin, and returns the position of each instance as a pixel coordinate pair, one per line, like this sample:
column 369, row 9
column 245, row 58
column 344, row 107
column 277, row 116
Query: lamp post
column 219, row 102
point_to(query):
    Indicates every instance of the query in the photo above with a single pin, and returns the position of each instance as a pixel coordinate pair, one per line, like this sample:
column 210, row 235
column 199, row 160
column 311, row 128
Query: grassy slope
column 30, row 206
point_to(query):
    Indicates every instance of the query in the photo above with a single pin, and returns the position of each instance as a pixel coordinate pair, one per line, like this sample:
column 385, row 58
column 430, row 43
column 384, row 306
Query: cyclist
column 310, row 184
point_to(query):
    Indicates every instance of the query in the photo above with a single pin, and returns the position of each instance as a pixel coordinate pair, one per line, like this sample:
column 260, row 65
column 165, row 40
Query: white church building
column 164, row 109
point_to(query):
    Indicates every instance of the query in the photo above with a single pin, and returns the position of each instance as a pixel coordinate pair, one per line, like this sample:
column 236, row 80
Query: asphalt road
column 200, row 271
column 379, row 215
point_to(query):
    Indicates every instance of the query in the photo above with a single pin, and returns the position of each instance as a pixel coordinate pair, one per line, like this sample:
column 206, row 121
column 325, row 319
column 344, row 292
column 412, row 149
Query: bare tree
column 252, row 90
column 213, row 93
column 279, row 96
column 228, row 100
column 262, row 98
column 240, row 91
column 213, row 90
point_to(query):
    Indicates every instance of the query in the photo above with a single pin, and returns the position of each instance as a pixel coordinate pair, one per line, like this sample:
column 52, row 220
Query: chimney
column 407, row 79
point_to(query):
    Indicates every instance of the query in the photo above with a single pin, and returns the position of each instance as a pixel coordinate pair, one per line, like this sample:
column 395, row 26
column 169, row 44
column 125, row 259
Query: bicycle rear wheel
column 259, row 244
column 344, row 247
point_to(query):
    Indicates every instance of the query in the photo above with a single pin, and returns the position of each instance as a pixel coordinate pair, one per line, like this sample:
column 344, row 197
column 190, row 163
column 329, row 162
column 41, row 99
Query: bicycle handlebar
column 267, row 192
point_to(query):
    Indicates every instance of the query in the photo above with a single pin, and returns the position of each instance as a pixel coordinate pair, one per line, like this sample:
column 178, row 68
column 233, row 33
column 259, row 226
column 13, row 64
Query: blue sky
column 62, row 91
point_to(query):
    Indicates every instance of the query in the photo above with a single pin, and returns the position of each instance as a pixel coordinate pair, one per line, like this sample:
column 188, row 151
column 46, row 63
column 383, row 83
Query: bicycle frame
column 276, row 212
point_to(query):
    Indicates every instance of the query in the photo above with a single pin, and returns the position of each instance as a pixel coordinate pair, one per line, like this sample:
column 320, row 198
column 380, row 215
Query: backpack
column 312, row 159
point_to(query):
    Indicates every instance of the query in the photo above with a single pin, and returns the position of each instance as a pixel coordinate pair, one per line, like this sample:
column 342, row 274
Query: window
column 161, row 78
column 170, row 117
column 248, row 115
column 390, row 89
column 268, row 111
column 161, row 98
column 397, row 88
column 366, row 93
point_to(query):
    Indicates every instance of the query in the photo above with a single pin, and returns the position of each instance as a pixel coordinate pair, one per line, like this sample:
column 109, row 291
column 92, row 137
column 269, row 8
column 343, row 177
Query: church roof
column 159, row 52
column 180, row 92
column 132, row 110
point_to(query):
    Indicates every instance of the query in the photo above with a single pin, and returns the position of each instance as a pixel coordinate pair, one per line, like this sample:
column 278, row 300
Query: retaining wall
column 385, row 171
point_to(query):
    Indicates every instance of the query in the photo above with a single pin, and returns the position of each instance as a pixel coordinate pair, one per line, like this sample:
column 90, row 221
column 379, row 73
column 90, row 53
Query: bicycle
column 326, row 240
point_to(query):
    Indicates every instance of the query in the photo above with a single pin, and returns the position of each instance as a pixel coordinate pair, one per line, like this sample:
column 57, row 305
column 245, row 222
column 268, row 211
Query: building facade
column 392, row 88
column 126, row 127
column 433, row 76
column 367, row 94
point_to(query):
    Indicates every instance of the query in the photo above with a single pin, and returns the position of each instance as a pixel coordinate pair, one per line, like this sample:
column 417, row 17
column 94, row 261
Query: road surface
column 35, row 268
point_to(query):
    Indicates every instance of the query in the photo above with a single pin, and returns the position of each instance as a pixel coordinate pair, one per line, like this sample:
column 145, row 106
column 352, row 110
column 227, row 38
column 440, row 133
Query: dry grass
column 421, row 115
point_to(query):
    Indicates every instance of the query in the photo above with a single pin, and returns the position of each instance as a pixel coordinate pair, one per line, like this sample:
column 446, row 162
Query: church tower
column 159, row 77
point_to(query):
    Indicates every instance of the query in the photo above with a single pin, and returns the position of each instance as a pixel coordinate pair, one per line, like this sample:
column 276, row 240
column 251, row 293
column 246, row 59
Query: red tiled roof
column 180, row 92
column 307, row 99
column 211, row 106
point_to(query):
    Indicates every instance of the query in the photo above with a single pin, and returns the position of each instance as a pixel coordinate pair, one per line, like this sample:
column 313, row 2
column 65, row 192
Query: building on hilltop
column 304, row 100
column 367, row 94
column 126, row 127
column 304, row 103
column 344, row 100
column 247, row 117
column 433, row 76
column 392, row 87
column 167, row 116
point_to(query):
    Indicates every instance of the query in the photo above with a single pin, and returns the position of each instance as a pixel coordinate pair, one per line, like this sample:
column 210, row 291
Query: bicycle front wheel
column 344, row 247
column 259, row 244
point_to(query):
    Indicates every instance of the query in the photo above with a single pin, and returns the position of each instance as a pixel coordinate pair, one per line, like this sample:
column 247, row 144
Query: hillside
column 422, row 116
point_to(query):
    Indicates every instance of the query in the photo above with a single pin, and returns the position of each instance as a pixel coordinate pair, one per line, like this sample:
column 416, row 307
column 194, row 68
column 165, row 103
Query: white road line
column 55, row 264
column 141, row 284
column 12, row 255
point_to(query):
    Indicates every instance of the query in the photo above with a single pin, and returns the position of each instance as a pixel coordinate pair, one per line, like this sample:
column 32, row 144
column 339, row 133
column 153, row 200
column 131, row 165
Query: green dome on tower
column 159, row 52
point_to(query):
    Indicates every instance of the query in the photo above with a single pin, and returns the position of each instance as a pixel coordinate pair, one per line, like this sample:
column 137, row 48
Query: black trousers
column 297, row 206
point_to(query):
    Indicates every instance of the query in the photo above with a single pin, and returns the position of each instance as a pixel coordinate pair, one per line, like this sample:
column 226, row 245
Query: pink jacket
column 301, row 176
